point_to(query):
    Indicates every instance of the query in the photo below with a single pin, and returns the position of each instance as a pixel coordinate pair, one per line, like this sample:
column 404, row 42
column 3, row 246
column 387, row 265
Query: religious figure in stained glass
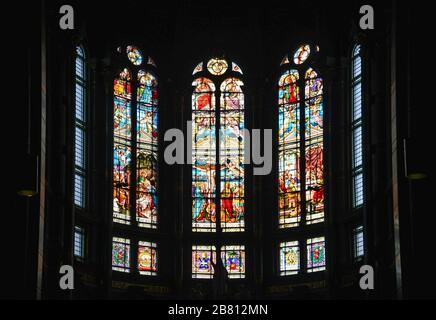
column 289, row 149
column 314, row 147
column 293, row 157
column 143, row 145
column 230, row 144
column 301, row 159
column 218, row 173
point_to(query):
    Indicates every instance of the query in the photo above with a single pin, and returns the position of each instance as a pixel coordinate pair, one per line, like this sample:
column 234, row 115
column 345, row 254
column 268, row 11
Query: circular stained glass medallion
column 134, row 55
column 301, row 54
column 217, row 66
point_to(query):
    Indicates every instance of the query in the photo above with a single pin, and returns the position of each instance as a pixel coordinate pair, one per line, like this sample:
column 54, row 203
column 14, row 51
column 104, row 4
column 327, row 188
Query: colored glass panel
column 301, row 54
column 232, row 155
column 316, row 255
column 134, row 55
column 314, row 148
column 233, row 258
column 289, row 150
column 289, row 256
column 202, row 258
column 217, row 66
column 203, row 156
column 121, row 254
column 147, row 258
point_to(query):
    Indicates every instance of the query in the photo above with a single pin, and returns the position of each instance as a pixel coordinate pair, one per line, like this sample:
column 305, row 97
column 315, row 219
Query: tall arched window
column 218, row 187
column 357, row 182
column 356, row 129
column 80, row 168
column 80, row 196
column 135, row 151
column 301, row 163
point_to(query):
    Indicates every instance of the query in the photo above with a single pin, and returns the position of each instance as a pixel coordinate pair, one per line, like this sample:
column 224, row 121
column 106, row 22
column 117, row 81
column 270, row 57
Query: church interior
column 342, row 121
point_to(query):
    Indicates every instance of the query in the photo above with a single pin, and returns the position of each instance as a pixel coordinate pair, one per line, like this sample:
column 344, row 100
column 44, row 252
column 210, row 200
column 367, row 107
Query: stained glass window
column 236, row 68
column 289, row 150
column 134, row 55
column 203, row 156
column 135, row 146
column 146, row 151
column 147, row 258
column 359, row 249
column 289, row 258
column 122, row 148
column 356, row 129
column 121, row 254
column 201, row 261
column 301, row 148
column 80, row 130
column 285, row 60
column 316, row 254
column 314, row 148
column 302, row 54
column 198, row 68
column 218, row 173
column 232, row 155
column 217, row 66
column 233, row 257
column 79, row 243
column 301, row 159
column 228, row 174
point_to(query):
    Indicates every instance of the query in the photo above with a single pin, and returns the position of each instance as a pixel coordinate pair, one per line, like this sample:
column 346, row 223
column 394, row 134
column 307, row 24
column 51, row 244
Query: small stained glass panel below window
column 147, row 258
column 134, row 55
column 289, row 258
column 217, row 66
column 201, row 261
column 359, row 249
column 233, row 258
column 316, row 254
column 302, row 54
column 121, row 255
column 79, row 243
